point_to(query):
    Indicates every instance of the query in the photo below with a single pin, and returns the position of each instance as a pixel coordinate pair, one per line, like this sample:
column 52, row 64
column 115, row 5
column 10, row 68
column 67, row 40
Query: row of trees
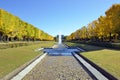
column 13, row 28
column 105, row 28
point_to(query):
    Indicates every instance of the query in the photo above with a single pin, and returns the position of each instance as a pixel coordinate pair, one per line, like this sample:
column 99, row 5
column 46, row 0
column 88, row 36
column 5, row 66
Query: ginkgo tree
column 13, row 28
column 104, row 28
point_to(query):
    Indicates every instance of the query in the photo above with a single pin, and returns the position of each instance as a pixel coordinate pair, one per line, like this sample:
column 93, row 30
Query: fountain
column 60, row 49
column 59, row 39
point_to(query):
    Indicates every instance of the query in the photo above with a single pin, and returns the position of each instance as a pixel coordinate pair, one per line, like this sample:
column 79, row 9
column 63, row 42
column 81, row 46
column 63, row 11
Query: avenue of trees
column 105, row 28
column 13, row 28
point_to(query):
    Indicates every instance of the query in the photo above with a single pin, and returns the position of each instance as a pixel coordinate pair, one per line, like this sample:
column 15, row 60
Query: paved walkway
column 59, row 46
column 58, row 68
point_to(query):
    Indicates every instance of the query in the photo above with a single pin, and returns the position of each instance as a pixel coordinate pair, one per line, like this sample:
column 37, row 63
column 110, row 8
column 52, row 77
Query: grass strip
column 108, row 59
column 12, row 58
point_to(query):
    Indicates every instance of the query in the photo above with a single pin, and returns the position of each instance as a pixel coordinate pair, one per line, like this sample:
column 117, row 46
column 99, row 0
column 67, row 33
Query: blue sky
column 54, row 16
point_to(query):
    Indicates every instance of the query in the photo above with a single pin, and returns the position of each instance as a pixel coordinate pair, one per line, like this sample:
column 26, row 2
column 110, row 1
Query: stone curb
column 102, row 71
column 16, row 71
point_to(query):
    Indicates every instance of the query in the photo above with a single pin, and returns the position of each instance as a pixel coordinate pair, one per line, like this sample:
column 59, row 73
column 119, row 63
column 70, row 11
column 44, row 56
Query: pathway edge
column 26, row 70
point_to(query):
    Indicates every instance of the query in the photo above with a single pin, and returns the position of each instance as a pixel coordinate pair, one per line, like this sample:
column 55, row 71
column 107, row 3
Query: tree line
column 12, row 28
column 105, row 28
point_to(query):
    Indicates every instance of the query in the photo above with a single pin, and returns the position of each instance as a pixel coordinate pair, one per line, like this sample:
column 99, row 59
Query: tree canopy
column 104, row 28
column 13, row 28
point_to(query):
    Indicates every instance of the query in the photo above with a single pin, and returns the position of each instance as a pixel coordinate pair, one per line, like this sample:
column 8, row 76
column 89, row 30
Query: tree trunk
column 7, row 39
column 102, row 39
column 118, row 36
column 110, row 37
column 1, row 36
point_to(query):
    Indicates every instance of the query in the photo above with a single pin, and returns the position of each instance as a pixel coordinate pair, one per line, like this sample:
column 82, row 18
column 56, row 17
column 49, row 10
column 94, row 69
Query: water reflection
column 60, row 54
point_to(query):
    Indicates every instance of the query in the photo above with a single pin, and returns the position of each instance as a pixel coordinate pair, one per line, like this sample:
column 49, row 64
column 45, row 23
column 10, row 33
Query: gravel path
column 58, row 68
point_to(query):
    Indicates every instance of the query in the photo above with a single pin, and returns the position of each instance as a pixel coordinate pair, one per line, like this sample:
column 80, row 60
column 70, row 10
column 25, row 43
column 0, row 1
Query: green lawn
column 12, row 58
column 84, row 46
column 105, row 58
